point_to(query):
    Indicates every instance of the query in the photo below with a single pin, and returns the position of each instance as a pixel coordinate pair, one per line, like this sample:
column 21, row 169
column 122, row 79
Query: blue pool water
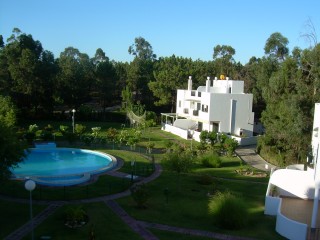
column 63, row 164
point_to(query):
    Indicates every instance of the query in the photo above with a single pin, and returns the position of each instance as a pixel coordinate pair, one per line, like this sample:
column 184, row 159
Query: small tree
column 230, row 145
column 11, row 148
column 79, row 129
column 179, row 162
column 204, row 137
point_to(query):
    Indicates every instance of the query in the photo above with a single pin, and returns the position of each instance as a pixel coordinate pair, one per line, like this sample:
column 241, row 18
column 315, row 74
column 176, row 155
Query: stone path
column 248, row 154
column 193, row 232
column 27, row 227
column 139, row 227
column 130, row 221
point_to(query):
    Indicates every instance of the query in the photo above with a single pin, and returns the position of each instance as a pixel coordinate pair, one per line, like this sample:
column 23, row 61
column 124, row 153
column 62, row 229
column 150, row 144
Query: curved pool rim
column 69, row 179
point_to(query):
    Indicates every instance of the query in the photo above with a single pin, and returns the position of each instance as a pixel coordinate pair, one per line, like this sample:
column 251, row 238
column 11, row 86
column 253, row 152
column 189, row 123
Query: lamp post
column 30, row 185
column 73, row 111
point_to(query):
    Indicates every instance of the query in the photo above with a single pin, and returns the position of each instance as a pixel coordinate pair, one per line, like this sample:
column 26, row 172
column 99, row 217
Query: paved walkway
column 248, row 154
column 140, row 227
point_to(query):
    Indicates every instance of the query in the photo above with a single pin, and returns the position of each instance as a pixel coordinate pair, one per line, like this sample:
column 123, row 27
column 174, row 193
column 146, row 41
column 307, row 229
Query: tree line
column 285, row 84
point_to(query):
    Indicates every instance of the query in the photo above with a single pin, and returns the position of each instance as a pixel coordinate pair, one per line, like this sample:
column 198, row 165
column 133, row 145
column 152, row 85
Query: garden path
column 249, row 155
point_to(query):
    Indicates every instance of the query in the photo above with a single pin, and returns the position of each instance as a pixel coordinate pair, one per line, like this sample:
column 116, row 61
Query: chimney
column 208, row 84
column 214, row 81
column 190, row 83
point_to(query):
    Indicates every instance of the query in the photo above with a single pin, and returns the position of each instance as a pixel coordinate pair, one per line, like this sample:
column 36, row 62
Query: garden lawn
column 105, row 185
column 174, row 236
column 188, row 205
column 14, row 215
column 104, row 223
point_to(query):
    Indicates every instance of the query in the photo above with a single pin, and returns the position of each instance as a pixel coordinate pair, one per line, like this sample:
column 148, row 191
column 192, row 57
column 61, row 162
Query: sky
column 186, row 28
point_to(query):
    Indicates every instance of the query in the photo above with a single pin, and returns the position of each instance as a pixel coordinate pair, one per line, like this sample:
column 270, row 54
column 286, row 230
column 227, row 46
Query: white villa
column 293, row 194
column 220, row 106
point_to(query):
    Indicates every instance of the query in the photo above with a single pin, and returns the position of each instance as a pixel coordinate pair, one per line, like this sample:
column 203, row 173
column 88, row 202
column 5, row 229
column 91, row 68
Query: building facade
column 221, row 105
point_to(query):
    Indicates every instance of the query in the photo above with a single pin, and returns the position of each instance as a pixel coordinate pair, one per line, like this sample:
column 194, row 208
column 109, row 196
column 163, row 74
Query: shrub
column 75, row 217
column 140, row 195
column 205, row 179
column 211, row 160
column 229, row 211
column 79, row 129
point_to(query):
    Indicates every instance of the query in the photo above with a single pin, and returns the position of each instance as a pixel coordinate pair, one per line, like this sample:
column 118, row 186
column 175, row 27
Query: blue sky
column 187, row 28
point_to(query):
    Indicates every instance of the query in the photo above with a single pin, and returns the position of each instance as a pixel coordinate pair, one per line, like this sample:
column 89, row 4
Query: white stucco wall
column 220, row 105
column 221, row 110
column 293, row 183
column 290, row 229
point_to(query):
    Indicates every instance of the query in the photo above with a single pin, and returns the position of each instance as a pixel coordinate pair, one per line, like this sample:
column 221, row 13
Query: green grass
column 188, row 205
column 105, row 185
column 174, row 236
column 104, row 223
column 14, row 215
column 187, row 200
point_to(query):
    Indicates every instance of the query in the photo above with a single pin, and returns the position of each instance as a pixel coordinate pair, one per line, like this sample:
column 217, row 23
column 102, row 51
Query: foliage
column 47, row 133
column 75, row 216
column 171, row 73
column 95, row 131
column 276, row 46
column 7, row 111
column 69, row 136
column 11, row 150
column 205, row 179
column 230, row 145
column 140, row 195
column 210, row 160
column 79, row 129
column 179, row 162
column 284, row 85
column 229, row 211
column 208, row 137
column 142, row 49
column 112, row 134
column 223, row 56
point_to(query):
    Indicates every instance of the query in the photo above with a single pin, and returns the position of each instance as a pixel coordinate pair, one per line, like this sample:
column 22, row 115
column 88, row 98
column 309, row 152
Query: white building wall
column 217, row 100
column 220, row 111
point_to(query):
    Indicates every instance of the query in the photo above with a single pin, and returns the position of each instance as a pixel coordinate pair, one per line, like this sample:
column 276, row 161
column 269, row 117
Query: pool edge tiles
column 71, row 179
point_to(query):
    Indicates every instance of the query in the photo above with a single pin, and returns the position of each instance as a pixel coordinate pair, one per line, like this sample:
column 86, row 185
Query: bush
column 211, row 160
column 140, row 195
column 205, row 179
column 75, row 217
column 229, row 211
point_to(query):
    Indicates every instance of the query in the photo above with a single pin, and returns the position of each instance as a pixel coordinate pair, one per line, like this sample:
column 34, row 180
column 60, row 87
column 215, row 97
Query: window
column 193, row 93
column 204, row 108
column 215, row 126
column 179, row 104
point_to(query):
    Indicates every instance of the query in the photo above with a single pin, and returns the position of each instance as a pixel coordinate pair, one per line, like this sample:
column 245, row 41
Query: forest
column 285, row 84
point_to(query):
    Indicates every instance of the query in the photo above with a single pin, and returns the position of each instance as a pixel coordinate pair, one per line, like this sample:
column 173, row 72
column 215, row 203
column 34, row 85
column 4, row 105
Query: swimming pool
column 62, row 166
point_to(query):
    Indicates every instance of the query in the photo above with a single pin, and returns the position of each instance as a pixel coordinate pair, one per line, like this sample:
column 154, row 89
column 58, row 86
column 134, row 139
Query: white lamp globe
column 30, row 185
